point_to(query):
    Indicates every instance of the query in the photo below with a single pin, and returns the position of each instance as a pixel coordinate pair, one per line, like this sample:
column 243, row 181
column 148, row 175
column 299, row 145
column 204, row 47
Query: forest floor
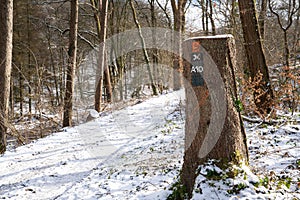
column 137, row 153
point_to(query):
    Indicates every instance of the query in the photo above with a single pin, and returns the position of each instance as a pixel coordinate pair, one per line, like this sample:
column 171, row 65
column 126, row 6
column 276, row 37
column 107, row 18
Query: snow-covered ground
column 131, row 153
column 137, row 153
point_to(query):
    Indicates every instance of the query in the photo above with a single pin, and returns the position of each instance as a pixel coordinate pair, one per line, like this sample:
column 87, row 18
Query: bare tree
column 6, row 31
column 263, row 93
column 145, row 53
column 289, row 9
column 164, row 8
column 206, row 7
column 68, row 100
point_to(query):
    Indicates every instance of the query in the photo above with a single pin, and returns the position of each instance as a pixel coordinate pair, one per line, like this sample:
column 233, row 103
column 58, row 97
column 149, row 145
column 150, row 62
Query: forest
column 150, row 99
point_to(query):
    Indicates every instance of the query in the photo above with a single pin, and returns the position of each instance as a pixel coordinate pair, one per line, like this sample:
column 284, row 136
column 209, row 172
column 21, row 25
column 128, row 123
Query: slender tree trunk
column 62, row 76
column 286, row 48
column 262, row 17
column 203, row 15
column 179, row 27
column 21, row 84
column 103, row 7
column 53, row 67
column 69, row 94
column 107, row 84
column 233, row 17
column 296, row 41
column 263, row 93
column 29, row 61
column 145, row 53
column 206, row 18
column 6, row 32
column 155, row 52
column 212, row 21
column 11, row 99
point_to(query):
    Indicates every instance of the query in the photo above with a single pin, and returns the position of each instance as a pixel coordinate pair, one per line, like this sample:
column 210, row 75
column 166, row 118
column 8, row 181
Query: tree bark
column 103, row 8
column 263, row 93
column 30, row 81
column 6, row 32
column 179, row 27
column 213, row 26
column 68, row 100
column 107, row 84
column 262, row 18
column 230, row 144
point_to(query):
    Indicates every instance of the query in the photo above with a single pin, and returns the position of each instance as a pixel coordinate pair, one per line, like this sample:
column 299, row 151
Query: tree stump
column 214, row 128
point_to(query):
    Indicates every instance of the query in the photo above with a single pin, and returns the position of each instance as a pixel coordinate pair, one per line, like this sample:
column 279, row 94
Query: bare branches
column 291, row 9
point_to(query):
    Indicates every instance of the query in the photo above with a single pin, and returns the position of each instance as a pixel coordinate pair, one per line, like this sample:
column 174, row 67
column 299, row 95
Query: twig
column 263, row 121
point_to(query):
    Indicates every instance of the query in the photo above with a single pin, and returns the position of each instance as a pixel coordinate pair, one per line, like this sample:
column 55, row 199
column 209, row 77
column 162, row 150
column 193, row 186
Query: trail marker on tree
column 214, row 128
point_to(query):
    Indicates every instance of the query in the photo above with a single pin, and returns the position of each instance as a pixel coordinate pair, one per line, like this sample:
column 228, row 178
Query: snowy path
column 136, row 153
column 56, row 166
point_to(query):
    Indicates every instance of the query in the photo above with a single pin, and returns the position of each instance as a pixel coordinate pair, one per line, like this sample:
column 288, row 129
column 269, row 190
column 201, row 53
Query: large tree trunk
column 6, row 32
column 214, row 128
column 263, row 93
column 68, row 100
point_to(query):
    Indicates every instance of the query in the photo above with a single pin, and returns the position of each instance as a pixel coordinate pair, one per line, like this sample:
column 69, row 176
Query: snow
column 212, row 37
column 137, row 153
column 138, row 147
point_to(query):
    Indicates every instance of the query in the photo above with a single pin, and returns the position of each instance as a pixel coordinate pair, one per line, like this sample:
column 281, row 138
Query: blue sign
column 197, row 69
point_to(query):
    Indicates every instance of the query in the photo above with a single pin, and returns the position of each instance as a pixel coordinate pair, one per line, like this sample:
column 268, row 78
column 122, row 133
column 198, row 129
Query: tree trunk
column 154, row 51
column 12, row 100
column 107, row 84
column 261, row 18
column 213, row 26
column 103, row 7
column 263, row 93
column 296, row 40
column 30, row 84
column 286, row 49
column 206, row 17
column 6, row 32
column 214, row 129
column 203, row 15
column 179, row 27
column 21, row 84
column 53, row 68
column 145, row 53
column 68, row 100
